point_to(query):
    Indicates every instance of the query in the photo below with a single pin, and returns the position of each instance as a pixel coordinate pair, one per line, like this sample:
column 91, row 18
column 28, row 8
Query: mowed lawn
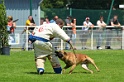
column 20, row 67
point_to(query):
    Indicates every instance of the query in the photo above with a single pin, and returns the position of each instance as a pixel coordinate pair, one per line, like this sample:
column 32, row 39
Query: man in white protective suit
column 43, row 48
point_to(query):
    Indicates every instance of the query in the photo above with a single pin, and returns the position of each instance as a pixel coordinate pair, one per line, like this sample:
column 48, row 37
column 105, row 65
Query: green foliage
column 50, row 13
column 89, row 4
column 81, row 4
column 3, row 23
column 53, row 4
column 20, row 67
column 48, row 6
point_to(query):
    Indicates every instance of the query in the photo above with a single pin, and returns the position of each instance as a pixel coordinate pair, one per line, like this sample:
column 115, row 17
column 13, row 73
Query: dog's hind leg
column 72, row 68
column 93, row 63
column 86, row 68
column 96, row 66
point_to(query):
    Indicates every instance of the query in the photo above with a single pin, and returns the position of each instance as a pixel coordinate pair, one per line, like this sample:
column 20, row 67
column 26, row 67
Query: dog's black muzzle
column 59, row 54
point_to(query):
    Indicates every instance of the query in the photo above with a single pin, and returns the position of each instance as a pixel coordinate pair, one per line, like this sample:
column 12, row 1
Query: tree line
column 81, row 4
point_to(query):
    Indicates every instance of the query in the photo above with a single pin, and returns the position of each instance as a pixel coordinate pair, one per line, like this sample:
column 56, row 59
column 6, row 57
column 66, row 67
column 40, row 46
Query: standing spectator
column 46, row 21
column 29, row 22
column 54, row 19
column 42, row 21
column 68, row 20
column 86, row 25
column 69, row 29
column 73, row 36
column 115, row 23
column 101, row 25
column 11, row 26
column 56, row 41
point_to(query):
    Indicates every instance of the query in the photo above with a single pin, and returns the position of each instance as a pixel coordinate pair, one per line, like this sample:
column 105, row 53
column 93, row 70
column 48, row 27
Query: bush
column 3, row 24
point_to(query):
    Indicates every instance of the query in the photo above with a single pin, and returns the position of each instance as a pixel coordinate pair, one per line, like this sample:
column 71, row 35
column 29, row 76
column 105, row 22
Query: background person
column 41, row 37
column 56, row 41
column 101, row 25
column 29, row 22
column 46, row 21
column 68, row 22
column 115, row 23
column 11, row 26
column 73, row 36
column 54, row 19
column 84, row 36
column 42, row 21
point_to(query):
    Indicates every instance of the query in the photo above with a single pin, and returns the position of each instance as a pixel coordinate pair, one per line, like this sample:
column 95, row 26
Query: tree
column 81, row 4
column 3, row 24
column 53, row 4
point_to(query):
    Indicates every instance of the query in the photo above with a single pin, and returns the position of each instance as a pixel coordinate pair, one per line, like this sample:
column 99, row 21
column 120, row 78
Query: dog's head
column 60, row 54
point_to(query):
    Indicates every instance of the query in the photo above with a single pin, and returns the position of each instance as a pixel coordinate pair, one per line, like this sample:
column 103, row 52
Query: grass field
column 20, row 67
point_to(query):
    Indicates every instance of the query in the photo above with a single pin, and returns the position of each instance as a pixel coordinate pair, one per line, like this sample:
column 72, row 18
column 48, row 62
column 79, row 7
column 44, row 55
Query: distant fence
column 116, row 34
column 117, row 38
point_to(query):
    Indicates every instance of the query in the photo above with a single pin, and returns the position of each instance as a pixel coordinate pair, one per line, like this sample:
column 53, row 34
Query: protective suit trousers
column 45, row 50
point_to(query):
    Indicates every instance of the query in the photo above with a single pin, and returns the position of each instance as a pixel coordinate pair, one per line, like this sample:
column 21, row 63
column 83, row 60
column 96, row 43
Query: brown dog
column 72, row 61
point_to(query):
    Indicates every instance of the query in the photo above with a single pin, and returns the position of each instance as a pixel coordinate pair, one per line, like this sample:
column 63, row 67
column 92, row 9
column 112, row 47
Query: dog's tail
column 92, row 62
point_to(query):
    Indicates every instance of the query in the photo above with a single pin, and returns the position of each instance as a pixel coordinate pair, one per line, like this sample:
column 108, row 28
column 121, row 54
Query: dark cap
column 69, row 16
column 87, row 18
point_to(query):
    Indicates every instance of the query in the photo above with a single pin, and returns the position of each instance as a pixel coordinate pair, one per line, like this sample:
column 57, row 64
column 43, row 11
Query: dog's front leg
column 72, row 68
column 63, row 70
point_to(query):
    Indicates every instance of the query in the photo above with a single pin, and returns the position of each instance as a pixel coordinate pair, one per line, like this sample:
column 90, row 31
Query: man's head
column 56, row 17
column 10, row 18
column 41, row 21
column 60, row 22
column 30, row 18
column 115, row 17
column 87, row 19
column 47, row 20
column 69, row 17
column 101, row 18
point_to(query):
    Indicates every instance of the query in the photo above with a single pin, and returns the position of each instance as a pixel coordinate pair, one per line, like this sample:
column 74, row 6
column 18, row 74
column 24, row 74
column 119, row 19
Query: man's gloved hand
column 69, row 41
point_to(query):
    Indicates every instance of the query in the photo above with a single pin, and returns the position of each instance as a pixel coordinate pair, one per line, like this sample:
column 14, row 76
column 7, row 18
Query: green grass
column 20, row 67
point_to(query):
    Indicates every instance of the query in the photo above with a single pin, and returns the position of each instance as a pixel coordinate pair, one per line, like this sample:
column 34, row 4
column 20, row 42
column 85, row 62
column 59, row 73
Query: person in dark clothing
column 115, row 23
column 68, row 22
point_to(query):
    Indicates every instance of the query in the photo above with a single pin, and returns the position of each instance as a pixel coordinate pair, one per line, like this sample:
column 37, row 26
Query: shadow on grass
column 35, row 73
column 81, row 73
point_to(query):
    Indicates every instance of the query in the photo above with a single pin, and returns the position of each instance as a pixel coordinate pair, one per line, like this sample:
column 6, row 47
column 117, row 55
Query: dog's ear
column 65, row 53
